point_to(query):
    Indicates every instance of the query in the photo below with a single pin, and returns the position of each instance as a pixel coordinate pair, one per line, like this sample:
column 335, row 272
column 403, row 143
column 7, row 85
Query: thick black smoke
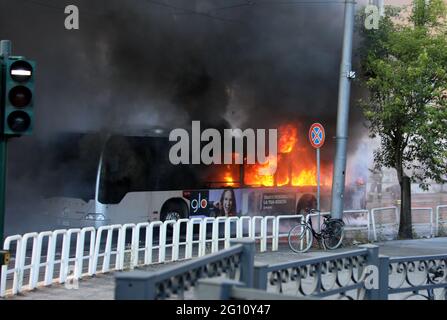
column 139, row 63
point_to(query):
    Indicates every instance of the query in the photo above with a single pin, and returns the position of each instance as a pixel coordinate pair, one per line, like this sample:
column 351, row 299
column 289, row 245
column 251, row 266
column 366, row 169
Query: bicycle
column 330, row 236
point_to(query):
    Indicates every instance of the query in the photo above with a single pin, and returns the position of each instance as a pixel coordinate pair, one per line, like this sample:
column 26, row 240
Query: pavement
column 101, row 287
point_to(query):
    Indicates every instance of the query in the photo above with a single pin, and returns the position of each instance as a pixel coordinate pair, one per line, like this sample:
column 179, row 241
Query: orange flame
column 305, row 178
column 295, row 165
column 288, row 138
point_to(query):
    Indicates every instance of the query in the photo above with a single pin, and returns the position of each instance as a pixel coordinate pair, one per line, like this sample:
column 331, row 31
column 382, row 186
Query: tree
column 404, row 68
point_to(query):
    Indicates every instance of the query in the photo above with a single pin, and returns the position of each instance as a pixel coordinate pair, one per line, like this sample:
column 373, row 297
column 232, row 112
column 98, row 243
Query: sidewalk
column 395, row 248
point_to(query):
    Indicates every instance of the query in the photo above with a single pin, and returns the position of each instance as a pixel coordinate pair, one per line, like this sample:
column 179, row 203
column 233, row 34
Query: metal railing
column 226, row 289
column 337, row 274
column 278, row 234
column 40, row 259
column 361, row 226
column 349, row 226
column 439, row 221
column 249, row 281
column 431, row 222
column 411, row 277
column 360, row 274
column 383, row 225
column 235, row 263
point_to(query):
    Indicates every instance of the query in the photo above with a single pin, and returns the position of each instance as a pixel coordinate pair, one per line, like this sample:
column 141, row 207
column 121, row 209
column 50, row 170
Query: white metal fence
column 440, row 221
column 41, row 259
column 353, row 219
column 89, row 251
column 375, row 225
column 430, row 221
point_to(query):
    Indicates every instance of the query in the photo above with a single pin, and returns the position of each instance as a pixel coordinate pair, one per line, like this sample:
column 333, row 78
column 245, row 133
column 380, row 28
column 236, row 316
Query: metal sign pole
column 316, row 138
column 318, row 189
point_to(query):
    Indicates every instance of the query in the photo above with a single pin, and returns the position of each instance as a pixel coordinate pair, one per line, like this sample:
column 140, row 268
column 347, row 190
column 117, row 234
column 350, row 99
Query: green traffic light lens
column 20, row 96
column 19, row 121
column 21, row 71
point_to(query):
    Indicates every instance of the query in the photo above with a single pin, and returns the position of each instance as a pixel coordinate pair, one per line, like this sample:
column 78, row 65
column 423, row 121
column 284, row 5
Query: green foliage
column 404, row 67
column 427, row 15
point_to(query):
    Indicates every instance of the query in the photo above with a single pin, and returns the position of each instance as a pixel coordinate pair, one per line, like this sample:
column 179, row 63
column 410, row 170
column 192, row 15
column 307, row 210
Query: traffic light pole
column 3, row 157
column 5, row 51
column 341, row 139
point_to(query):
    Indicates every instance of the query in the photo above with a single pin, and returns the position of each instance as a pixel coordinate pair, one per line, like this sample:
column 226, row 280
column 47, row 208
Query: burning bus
column 136, row 182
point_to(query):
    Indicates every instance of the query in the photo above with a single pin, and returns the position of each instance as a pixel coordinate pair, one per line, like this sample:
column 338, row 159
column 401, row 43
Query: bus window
column 131, row 164
column 223, row 175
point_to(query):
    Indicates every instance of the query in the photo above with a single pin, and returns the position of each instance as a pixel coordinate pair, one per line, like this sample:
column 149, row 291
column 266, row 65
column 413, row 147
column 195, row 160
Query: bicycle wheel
column 300, row 238
column 333, row 234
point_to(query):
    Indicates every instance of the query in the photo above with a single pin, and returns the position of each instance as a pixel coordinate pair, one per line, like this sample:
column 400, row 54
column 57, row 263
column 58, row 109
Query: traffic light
column 18, row 97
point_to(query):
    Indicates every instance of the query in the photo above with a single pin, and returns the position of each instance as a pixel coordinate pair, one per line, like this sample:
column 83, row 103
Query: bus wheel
column 172, row 216
column 174, row 210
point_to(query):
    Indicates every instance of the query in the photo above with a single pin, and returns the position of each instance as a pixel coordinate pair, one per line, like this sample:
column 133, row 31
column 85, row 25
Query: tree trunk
column 405, row 225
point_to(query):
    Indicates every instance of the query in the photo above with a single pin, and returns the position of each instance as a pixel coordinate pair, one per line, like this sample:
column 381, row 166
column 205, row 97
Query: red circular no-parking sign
column 316, row 135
